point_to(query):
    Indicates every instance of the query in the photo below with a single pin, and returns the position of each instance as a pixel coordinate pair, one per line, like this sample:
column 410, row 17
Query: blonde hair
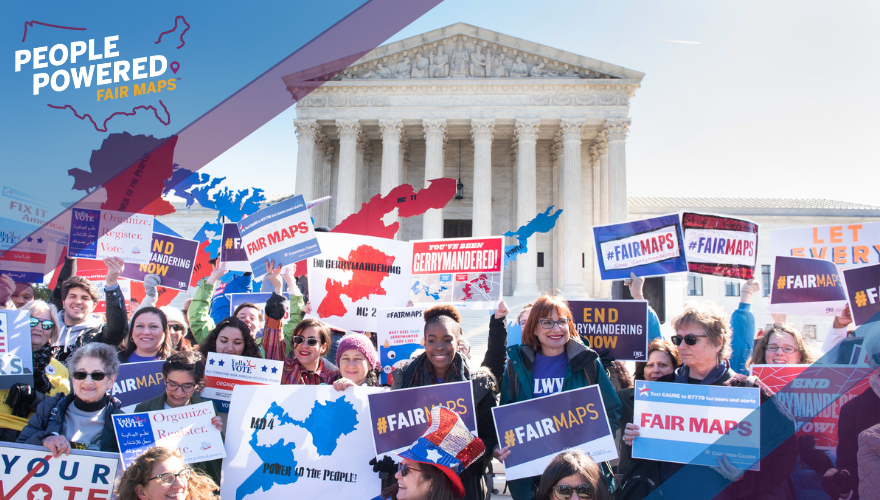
column 712, row 320
column 199, row 486
column 40, row 306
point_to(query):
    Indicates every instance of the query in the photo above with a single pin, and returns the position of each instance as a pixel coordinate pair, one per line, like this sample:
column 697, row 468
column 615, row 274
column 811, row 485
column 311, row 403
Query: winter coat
column 11, row 425
column 93, row 329
column 869, row 461
column 857, row 415
column 49, row 418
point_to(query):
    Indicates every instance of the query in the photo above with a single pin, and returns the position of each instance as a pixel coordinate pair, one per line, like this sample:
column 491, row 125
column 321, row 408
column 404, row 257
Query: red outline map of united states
column 362, row 285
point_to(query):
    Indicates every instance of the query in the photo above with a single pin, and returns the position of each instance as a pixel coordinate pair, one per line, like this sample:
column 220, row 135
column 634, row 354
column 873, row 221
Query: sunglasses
column 689, row 339
column 96, row 376
column 168, row 478
column 311, row 342
column 547, row 324
column 564, row 492
column 47, row 324
column 177, row 328
column 405, row 469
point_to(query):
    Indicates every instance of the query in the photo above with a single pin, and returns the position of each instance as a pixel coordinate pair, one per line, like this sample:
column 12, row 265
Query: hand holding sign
column 844, row 319
column 273, row 274
column 7, row 286
column 748, row 289
column 115, row 266
column 217, row 273
column 57, row 445
column 636, row 286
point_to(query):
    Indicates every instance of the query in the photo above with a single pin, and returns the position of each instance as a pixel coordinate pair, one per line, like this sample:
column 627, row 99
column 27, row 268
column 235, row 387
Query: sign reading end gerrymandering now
column 620, row 326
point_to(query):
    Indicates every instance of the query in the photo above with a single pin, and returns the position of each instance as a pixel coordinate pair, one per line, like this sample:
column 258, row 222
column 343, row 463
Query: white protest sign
column 99, row 234
column 223, row 372
column 847, row 244
column 30, row 472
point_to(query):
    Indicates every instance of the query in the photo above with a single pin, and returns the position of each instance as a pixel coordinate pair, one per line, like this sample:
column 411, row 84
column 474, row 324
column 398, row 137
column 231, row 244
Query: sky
column 740, row 99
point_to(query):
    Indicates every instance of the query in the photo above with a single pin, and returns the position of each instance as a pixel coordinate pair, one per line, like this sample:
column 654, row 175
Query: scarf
column 683, row 373
column 295, row 373
column 422, row 372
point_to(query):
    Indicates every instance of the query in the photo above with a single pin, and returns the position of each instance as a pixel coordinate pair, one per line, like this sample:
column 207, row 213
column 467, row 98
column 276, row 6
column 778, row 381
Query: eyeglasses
column 405, row 469
column 786, row 349
column 689, row 339
column 564, row 492
column 177, row 328
column 96, row 376
column 47, row 324
column 547, row 324
column 168, row 478
column 311, row 341
column 523, row 322
column 187, row 388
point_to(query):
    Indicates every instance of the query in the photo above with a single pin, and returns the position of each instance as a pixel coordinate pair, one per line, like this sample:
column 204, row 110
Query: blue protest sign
column 282, row 233
column 647, row 247
column 231, row 250
column 697, row 424
column 538, row 429
column 138, row 382
column 399, row 418
column 619, row 326
column 806, row 286
column 134, row 435
column 514, row 333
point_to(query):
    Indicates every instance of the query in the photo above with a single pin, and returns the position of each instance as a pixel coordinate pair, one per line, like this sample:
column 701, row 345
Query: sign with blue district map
column 538, row 429
column 30, row 473
column 697, row 424
column 299, row 441
column 647, row 247
column 138, row 382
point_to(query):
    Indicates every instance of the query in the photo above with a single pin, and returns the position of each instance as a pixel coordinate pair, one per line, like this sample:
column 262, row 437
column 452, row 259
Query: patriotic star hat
column 447, row 445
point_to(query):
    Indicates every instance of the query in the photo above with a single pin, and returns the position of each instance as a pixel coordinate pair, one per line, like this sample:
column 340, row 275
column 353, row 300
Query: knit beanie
column 361, row 343
column 173, row 314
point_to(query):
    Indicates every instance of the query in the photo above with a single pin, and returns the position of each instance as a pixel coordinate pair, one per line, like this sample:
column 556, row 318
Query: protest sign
column 171, row 258
column 647, row 247
column 846, row 245
column 27, row 263
column 863, row 290
column 223, row 372
column 16, row 359
column 299, row 441
column 399, row 418
column 720, row 246
column 186, row 428
column 138, row 382
column 538, row 429
column 231, row 250
column 256, row 298
column 696, row 424
column 806, row 286
column 101, row 304
column 30, row 472
column 464, row 270
column 620, row 326
column 282, row 233
column 814, row 394
column 356, row 276
column 514, row 333
column 22, row 213
column 98, row 234
column 400, row 334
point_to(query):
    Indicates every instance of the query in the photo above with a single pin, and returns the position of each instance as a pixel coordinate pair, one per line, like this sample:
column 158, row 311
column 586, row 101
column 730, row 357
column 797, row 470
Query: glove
column 151, row 281
column 20, row 398
column 385, row 467
column 837, row 483
column 275, row 307
column 815, row 459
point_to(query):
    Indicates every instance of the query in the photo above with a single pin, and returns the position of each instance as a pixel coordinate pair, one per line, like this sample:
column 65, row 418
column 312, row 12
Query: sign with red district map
column 356, row 276
column 464, row 271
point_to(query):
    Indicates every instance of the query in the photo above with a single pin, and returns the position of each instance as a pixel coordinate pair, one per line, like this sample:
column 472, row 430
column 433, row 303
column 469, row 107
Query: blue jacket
column 742, row 322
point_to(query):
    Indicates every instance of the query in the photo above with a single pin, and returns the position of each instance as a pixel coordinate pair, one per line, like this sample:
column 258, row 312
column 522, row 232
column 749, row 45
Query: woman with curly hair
column 783, row 345
column 231, row 336
column 160, row 474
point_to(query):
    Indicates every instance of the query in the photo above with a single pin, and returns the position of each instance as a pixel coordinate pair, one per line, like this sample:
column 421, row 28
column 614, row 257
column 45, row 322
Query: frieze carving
column 597, row 99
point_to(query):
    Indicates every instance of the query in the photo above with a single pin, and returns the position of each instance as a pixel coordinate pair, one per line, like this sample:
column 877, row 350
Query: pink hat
column 361, row 343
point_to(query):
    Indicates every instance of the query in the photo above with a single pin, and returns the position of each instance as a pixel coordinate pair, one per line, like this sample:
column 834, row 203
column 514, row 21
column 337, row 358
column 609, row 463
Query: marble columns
column 305, row 157
column 391, row 131
column 616, row 130
column 435, row 132
column 482, row 133
column 572, row 274
column 526, row 135
column 346, row 184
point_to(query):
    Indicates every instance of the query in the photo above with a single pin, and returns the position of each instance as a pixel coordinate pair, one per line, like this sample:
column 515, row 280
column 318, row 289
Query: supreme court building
column 522, row 125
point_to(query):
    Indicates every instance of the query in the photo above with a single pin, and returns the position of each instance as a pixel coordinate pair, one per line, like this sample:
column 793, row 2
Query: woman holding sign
column 148, row 338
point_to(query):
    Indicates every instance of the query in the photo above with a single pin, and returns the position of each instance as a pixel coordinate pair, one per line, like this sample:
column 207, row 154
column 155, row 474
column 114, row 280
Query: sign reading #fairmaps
column 846, row 245
column 400, row 334
column 138, row 382
column 620, row 326
column 538, row 429
column 863, row 290
column 282, row 233
column 171, row 258
column 647, row 247
column 806, row 286
column 697, row 424
column 465, row 270
column 716, row 245
column 30, row 472
column 99, row 234
column 231, row 250
column 223, row 372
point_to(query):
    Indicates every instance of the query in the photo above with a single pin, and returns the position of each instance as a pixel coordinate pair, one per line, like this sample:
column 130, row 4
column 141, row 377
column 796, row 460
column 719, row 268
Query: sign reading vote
column 538, row 429
column 697, row 424
column 720, row 246
column 231, row 250
column 171, row 258
column 282, row 233
column 647, row 247
column 863, row 290
column 31, row 473
column 16, row 359
column 99, row 234
column 138, row 382
column 620, row 326
column 223, row 372
column 400, row 417
column 27, row 262
column 806, row 286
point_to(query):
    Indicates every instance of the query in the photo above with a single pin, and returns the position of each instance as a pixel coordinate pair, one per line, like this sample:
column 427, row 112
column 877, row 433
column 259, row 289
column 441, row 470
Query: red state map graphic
column 480, row 282
column 362, row 285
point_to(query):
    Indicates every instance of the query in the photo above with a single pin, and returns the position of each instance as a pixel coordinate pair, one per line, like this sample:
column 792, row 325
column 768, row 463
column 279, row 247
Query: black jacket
column 49, row 418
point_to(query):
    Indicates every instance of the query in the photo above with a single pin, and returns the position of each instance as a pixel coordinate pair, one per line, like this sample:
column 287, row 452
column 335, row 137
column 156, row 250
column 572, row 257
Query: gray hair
column 40, row 306
column 98, row 350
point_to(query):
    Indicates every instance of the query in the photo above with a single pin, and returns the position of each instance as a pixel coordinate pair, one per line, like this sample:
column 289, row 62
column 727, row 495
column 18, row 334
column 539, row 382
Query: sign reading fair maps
column 231, row 250
column 467, row 271
column 400, row 334
column 806, row 286
column 620, row 326
column 98, row 234
column 171, row 258
column 720, row 246
column 31, row 473
column 647, row 247
column 282, row 233
column 223, row 372
column 846, row 245
column 863, row 289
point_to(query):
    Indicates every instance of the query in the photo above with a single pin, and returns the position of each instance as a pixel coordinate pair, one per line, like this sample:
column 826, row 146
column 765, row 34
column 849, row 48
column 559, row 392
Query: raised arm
column 199, row 316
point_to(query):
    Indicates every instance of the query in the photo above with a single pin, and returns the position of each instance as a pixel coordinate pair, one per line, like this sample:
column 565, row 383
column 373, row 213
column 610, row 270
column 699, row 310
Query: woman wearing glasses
column 230, row 336
column 552, row 359
column 82, row 419
column 572, row 475
column 703, row 342
column 50, row 376
column 184, row 373
column 148, row 337
column 160, row 474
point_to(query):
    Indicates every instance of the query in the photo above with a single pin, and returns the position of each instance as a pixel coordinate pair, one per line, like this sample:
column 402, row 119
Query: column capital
column 617, row 128
column 391, row 129
column 602, row 142
column 482, row 129
column 306, row 129
column 526, row 129
column 348, row 130
column 404, row 141
column 594, row 154
column 435, row 128
column 362, row 141
column 572, row 128
column 556, row 149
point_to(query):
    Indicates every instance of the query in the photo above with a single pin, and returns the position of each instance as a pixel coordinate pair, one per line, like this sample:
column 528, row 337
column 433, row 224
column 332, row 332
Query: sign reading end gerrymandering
column 620, row 326
column 720, row 246
column 647, row 247
column 282, row 233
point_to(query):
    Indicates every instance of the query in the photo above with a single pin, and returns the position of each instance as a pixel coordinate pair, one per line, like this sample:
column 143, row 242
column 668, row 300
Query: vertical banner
column 468, row 271
column 399, row 418
column 232, row 251
column 27, row 262
column 814, row 394
column 620, row 326
column 863, row 291
column 400, row 334
column 846, row 245
column 98, row 234
column 299, row 441
column 806, row 286
column 138, row 382
column 282, row 233
column 31, row 473
column 697, row 424
column 16, row 359
column 716, row 245
column 647, row 247
column 223, row 372
column 171, row 258
column 538, row 429
column 356, row 276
